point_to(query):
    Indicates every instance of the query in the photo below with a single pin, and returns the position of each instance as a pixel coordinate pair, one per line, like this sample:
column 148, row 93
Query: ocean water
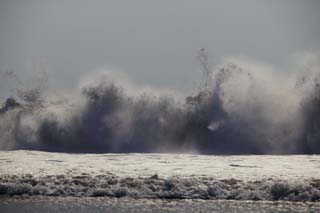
column 32, row 181
column 106, row 204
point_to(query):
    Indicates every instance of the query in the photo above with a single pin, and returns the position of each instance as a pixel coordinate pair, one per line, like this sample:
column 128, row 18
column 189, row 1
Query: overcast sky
column 155, row 42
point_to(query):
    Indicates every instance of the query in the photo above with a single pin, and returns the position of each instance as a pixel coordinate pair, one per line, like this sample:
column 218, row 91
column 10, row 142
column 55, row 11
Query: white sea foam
column 292, row 178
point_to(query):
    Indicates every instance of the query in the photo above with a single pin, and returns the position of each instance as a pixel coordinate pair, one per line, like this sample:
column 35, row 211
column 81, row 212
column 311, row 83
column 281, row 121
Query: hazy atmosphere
column 155, row 42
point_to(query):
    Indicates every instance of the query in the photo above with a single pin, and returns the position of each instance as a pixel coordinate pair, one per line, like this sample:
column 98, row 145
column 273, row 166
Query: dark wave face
column 242, row 109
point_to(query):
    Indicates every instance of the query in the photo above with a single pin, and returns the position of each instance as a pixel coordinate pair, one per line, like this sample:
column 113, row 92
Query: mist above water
column 243, row 108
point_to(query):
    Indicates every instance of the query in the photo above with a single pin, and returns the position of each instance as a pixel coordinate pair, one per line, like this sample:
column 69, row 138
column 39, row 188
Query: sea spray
column 245, row 108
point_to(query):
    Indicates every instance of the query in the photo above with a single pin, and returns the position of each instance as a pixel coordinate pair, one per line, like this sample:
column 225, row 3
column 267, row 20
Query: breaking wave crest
column 244, row 108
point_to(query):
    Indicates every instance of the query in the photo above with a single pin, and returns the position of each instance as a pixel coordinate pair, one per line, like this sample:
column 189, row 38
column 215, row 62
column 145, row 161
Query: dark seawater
column 76, row 204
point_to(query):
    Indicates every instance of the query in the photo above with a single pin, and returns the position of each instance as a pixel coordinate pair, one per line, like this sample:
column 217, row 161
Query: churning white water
column 242, row 177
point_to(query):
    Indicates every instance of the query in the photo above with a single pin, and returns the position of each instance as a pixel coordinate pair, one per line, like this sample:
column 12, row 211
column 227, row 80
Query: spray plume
column 244, row 108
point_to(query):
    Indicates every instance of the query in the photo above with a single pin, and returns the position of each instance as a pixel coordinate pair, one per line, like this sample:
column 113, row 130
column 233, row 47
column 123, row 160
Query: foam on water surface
column 172, row 176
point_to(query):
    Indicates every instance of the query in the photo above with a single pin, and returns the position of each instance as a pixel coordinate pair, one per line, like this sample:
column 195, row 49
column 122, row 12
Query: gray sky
column 155, row 42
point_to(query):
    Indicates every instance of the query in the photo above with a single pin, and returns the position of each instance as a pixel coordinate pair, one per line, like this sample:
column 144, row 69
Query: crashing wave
column 244, row 109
